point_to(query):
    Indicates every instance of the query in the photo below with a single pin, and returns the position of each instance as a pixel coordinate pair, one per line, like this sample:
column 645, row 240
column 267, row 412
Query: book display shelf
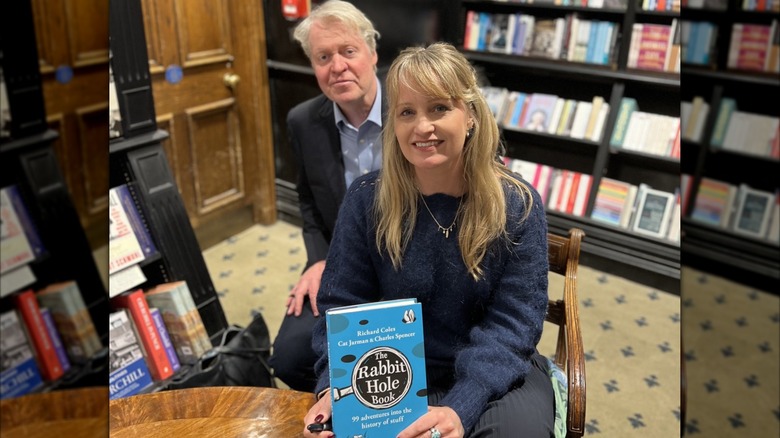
column 625, row 51
column 169, row 249
column 653, row 82
column 43, row 241
column 734, row 157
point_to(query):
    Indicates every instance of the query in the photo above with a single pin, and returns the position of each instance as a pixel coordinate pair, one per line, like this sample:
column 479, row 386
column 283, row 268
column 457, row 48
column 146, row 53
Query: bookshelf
column 137, row 159
column 649, row 260
column 646, row 259
column 29, row 161
column 721, row 250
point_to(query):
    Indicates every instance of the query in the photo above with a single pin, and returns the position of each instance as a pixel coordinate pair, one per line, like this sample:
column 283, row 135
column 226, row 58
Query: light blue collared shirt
column 361, row 147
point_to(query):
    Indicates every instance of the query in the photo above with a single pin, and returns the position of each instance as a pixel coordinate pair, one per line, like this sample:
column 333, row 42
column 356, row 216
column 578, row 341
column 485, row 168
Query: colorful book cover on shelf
column 472, row 30
column 750, row 44
column 28, row 226
column 192, row 308
column 56, row 340
column 124, row 249
column 712, row 201
column 137, row 221
column 156, row 358
column 653, row 45
column 539, row 112
column 501, row 34
column 49, row 365
column 170, row 351
column 183, row 324
column 627, row 106
column 727, row 108
column 128, row 372
column 377, row 367
column 72, row 319
column 543, row 44
column 19, row 374
column 15, row 248
column 611, row 199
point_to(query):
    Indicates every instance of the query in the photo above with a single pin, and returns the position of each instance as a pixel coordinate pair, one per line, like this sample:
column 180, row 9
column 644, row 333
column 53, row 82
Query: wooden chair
column 564, row 255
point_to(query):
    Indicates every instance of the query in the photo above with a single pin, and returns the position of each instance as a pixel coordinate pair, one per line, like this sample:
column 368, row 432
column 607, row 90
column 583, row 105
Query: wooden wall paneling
column 203, row 31
column 88, row 43
column 254, row 93
column 92, row 121
column 51, row 34
column 228, row 173
column 73, row 60
column 216, row 157
column 153, row 29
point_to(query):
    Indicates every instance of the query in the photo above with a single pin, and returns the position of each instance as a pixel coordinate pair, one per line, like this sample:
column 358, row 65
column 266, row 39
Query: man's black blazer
column 316, row 144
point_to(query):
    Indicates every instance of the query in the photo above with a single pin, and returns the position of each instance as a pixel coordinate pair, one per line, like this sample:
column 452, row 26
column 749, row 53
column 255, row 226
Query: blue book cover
column 19, row 373
column 170, row 350
column 30, row 230
column 56, row 340
column 377, row 368
column 128, row 372
column 136, row 220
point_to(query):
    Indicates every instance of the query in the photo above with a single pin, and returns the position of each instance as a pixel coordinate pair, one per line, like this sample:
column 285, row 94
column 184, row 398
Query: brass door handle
column 231, row 80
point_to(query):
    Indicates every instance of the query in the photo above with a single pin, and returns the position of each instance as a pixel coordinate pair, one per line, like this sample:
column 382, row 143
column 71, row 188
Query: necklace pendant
column 447, row 234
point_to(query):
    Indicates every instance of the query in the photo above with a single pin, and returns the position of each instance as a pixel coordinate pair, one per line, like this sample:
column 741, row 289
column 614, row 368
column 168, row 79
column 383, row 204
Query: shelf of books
column 731, row 126
column 575, row 89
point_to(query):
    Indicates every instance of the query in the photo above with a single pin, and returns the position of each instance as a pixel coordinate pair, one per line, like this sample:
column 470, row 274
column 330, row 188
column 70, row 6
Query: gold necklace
column 445, row 231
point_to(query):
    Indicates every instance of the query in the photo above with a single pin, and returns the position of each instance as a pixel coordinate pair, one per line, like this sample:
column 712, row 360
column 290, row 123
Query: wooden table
column 234, row 411
column 76, row 413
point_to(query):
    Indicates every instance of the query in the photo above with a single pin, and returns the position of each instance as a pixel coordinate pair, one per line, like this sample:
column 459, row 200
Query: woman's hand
column 442, row 418
column 308, row 284
column 319, row 413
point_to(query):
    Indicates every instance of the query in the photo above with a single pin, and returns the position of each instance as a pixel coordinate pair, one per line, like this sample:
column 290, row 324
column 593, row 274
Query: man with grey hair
column 335, row 138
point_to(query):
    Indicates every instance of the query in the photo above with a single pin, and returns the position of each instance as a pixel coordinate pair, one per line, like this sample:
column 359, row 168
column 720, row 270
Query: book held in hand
column 377, row 367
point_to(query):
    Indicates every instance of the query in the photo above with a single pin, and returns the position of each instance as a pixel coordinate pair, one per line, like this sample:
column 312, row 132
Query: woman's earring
column 470, row 132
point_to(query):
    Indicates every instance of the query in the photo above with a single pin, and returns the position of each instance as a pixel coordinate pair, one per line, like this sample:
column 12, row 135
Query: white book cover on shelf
column 753, row 211
column 581, row 117
column 15, row 279
column 123, row 247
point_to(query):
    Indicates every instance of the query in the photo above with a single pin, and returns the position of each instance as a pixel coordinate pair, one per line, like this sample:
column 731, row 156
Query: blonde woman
column 448, row 224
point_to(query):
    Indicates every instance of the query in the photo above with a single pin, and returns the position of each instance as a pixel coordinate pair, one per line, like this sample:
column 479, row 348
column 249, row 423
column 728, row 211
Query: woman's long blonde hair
column 440, row 71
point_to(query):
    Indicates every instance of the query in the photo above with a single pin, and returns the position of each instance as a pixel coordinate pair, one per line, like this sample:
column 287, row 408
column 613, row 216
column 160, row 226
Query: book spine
column 50, row 366
column 158, row 362
column 170, row 351
column 192, row 310
column 56, row 341
column 627, row 107
column 30, row 231
column 86, row 327
column 136, row 220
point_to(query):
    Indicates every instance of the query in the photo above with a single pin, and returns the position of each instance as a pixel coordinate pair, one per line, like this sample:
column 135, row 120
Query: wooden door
column 210, row 87
column 72, row 42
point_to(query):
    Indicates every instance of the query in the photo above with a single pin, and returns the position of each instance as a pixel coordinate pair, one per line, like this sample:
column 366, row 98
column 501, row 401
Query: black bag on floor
column 241, row 359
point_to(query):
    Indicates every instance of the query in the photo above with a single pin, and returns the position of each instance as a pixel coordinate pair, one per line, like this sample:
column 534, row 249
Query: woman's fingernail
column 318, row 418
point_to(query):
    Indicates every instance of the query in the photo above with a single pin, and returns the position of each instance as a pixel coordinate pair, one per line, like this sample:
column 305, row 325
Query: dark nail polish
column 318, row 418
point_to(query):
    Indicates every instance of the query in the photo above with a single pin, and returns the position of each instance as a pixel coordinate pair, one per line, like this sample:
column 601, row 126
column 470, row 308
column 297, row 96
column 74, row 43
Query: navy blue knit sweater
column 483, row 331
